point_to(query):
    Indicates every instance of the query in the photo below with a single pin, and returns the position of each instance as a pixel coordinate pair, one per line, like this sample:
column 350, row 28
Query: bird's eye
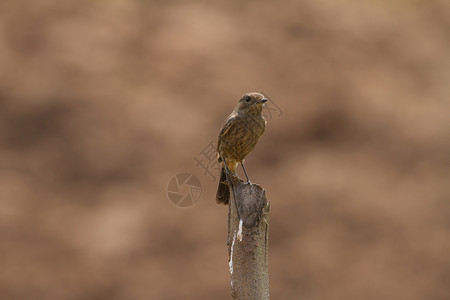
column 247, row 98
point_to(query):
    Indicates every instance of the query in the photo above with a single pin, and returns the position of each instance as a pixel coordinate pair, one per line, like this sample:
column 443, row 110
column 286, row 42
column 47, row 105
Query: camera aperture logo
column 184, row 190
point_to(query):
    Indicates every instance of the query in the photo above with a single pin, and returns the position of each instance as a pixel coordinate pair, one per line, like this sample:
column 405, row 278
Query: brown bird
column 238, row 137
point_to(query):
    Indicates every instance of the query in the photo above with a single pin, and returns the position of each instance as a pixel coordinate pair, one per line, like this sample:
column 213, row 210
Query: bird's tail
column 223, row 190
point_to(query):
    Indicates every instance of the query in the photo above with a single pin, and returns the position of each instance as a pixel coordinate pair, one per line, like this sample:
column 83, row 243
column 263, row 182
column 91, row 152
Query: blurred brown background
column 103, row 102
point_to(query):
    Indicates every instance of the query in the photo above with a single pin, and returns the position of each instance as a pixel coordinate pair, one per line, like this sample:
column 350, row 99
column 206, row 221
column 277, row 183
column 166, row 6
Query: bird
column 238, row 136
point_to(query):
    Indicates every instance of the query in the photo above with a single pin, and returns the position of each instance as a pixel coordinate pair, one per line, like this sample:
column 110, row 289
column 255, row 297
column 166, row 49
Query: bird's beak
column 263, row 100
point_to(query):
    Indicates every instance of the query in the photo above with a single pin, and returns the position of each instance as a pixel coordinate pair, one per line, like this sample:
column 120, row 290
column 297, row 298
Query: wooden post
column 248, row 239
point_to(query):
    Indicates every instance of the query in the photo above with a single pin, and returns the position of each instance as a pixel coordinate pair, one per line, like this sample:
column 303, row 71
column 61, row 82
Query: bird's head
column 251, row 103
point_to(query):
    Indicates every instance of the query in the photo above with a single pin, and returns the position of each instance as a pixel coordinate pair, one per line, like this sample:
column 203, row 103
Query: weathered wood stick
column 248, row 240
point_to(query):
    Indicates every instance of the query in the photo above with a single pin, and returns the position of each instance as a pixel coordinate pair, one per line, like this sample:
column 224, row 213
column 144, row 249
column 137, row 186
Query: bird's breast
column 242, row 137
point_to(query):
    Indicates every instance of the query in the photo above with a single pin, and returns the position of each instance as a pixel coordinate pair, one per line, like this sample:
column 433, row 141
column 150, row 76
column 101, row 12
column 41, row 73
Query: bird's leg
column 227, row 171
column 245, row 172
column 225, row 165
column 230, row 182
column 227, row 174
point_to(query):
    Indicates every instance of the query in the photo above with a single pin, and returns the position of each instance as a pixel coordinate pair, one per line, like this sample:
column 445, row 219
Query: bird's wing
column 227, row 125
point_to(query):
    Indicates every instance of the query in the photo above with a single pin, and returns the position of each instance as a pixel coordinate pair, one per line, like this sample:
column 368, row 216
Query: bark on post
column 248, row 239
